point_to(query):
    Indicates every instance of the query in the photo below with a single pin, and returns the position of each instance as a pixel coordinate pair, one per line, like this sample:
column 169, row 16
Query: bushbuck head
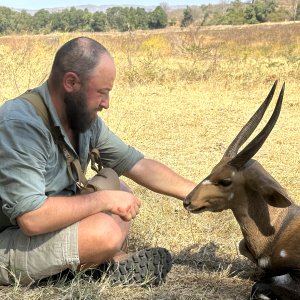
column 237, row 175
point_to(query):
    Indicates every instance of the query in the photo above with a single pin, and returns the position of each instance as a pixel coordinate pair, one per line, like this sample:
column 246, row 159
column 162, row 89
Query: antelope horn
column 251, row 125
column 250, row 150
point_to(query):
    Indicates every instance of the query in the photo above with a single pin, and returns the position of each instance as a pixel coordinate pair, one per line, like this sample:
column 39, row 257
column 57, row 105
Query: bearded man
column 47, row 225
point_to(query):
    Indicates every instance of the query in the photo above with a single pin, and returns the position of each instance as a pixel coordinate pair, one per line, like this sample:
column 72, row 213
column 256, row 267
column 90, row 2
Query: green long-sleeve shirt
column 32, row 165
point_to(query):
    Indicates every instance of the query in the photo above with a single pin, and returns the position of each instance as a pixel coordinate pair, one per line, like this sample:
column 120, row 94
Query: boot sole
column 146, row 267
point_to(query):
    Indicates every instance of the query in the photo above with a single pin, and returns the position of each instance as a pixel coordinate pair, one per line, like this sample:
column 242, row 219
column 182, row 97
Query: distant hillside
column 287, row 4
column 103, row 8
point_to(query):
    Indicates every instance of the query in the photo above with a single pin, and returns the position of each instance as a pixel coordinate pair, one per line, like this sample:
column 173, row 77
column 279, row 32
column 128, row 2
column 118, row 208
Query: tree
column 79, row 20
column 6, row 18
column 158, row 18
column 99, row 21
column 250, row 15
column 187, row 17
column 22, row 22
column 41, row 22
column 234, row 14
column 263, row 8
column 118, row 18
column 59, row 21
column 297, row 9
column 164, row 6
column 137, row 18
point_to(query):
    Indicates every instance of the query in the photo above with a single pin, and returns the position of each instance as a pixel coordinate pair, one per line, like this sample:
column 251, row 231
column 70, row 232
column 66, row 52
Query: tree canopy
column 129, row 18
column 69, row 20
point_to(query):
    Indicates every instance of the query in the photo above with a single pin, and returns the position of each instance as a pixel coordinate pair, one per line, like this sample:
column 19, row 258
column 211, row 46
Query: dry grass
column 181, row 97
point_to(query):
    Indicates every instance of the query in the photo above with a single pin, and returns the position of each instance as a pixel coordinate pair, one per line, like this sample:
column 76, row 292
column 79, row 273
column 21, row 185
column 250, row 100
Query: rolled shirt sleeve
column 32, row 165
column 23, row 155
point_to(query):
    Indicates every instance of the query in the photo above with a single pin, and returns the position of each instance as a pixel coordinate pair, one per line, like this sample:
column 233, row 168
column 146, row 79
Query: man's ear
column 71, row 82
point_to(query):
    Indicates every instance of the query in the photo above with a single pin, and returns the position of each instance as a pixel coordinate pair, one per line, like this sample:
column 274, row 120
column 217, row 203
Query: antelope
column 268, row 218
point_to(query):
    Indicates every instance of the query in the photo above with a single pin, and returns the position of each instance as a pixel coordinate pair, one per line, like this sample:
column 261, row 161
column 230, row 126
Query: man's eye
column 103, row 94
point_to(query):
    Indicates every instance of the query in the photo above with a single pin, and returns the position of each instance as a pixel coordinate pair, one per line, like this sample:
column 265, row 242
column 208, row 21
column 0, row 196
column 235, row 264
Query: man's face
column 93, row 96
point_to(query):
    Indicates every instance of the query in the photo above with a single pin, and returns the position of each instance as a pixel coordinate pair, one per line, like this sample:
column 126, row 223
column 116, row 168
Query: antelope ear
column 276, row 196
column 266, row 186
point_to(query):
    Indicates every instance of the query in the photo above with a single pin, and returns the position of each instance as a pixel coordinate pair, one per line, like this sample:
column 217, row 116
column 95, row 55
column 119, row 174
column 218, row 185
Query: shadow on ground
column 205, row 257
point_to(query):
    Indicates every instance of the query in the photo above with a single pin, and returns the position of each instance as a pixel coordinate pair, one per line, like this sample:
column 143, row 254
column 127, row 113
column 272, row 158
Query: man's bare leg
column 100, row 238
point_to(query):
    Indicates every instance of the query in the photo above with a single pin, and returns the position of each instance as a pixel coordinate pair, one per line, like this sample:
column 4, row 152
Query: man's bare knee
column 100, row 237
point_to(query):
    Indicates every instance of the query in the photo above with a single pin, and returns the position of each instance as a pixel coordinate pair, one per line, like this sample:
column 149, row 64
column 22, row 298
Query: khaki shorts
column 25, row 259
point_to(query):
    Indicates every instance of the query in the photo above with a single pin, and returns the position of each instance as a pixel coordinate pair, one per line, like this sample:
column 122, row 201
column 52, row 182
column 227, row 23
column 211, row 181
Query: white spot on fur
column 206, row 182
column 282, row 279
column 230, row 197
column 262, row 297
column 283, row 253
column 264, row 262
column 232, row 174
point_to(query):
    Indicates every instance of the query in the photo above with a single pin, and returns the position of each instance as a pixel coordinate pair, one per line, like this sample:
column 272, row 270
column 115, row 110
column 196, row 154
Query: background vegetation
column 129, row 19
column 181, row 95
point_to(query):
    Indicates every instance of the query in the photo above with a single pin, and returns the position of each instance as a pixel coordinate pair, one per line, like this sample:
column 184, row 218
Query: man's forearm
column 60, row 211
column 160, row 178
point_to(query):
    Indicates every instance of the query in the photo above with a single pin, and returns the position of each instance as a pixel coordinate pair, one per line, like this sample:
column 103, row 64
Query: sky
column 39, row 4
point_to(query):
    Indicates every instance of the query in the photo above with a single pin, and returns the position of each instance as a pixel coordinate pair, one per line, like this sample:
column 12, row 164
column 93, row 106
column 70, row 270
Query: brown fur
column 268, row 218
column 259, row 204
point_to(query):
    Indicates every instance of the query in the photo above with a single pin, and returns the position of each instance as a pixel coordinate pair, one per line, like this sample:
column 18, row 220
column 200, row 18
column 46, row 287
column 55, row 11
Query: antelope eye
column 225, row 182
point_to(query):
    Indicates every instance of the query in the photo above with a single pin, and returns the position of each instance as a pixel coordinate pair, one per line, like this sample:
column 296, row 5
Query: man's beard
column 78, row 115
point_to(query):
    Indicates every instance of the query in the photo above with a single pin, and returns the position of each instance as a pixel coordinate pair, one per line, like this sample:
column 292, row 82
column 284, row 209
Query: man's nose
column 104, row 103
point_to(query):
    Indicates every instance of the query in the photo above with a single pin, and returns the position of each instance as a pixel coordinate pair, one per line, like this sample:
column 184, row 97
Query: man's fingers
column 138, row 202
column 128, row 207
column 137, row 209
column 131, row 213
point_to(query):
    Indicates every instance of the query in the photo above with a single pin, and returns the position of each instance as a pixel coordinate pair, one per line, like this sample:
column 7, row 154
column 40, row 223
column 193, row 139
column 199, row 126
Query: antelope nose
column 186, row 202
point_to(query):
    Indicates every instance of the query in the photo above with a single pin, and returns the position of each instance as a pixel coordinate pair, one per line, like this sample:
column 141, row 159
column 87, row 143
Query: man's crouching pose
column 49, row 220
